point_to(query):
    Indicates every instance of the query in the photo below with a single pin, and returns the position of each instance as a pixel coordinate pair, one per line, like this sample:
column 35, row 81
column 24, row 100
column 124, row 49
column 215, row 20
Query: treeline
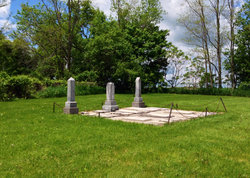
column 57, row 39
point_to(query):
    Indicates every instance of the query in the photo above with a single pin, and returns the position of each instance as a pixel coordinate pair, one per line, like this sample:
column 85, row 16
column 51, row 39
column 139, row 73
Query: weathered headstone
column 110, row 103
column 70, row 104
column 138, row 102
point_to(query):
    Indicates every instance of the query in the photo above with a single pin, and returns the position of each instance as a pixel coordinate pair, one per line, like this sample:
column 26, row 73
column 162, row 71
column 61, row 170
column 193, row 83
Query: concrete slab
column 149, row 115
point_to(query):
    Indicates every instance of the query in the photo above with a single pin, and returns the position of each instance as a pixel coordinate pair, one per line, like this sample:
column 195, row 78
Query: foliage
column 81, row 88
column 242, row 55
column 242, row 40
column 176, row 65
column 20, row 86
column 15, row 57
column 244, row 86
column 194, row 73
column 74, row 39
column 87, row 76
column 58, row 91
column 209, row 91
column 4, row 77
column 35, row 142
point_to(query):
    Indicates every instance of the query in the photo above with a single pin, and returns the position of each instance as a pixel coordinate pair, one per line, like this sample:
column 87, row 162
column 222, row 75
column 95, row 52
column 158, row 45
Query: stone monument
column 70, row 104
column 110, row 103
column 138, row 102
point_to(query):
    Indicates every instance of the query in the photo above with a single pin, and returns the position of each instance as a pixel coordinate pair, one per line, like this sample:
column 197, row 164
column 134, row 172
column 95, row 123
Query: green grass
column 36, row 142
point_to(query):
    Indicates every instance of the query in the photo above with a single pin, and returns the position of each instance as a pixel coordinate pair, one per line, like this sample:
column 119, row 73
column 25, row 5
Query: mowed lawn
column 36, row 142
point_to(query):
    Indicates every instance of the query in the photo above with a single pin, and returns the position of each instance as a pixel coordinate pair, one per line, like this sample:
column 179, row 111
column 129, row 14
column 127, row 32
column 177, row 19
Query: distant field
column 36, row 142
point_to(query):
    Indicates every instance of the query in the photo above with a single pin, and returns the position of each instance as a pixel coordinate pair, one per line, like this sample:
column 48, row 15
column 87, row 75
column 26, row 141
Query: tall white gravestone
column 110, row 103
column 70, row 104
column 138, row 102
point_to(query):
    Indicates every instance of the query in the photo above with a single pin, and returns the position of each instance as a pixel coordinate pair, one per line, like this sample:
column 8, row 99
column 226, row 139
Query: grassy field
column 36, row 142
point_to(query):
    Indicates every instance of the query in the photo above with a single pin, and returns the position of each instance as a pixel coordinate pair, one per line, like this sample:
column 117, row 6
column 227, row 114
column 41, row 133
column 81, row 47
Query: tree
column 177, row 62
column 241, row 58
column 149, row 46
column 218, row 6
column 55, row 29
column 196, row 21
column 3, row 3
column 203, row 21
column 73, row 34
column 15, row 56
column 232, row 41
column 194, row 73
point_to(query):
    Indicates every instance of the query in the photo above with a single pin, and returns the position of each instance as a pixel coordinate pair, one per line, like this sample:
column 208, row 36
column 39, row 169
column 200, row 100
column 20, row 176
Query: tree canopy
column 71, row 38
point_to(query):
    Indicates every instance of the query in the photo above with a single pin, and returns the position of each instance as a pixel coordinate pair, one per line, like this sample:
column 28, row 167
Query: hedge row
column 207, row 91
column 60, row 91
column 23, row 86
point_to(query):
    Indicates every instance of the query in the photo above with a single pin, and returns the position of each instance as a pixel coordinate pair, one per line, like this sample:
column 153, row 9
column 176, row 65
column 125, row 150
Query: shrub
column 88, row 89
column 55, row 83
column 19, row 86
column 37, row 84
column 244, row 86
column 4, row 77
column 208, row 91
column 87, row 76
column 58, row 91
column 80, row 89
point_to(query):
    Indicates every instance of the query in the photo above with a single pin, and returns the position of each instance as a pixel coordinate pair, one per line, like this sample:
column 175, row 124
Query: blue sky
column 16, row 5
column 173, row 8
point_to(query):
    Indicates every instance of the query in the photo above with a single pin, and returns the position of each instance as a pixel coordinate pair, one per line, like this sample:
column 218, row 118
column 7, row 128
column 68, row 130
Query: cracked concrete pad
column 150, row 115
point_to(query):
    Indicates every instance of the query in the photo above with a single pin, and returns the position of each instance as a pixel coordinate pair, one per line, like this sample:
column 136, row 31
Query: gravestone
column 110, row 103
column 70, row 104
column 138, row 102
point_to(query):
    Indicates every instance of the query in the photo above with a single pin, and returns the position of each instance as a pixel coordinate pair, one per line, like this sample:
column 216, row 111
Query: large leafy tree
column 150, row 48
column 55, row 29
column 72, row 37
column 242, row 54
column 241, row 67
column 15, row 56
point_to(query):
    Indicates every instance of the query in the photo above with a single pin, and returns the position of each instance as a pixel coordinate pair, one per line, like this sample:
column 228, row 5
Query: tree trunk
column 119, row 12
column 205, row 38
column 232, row 38
column 69, row 55
column 218, row 42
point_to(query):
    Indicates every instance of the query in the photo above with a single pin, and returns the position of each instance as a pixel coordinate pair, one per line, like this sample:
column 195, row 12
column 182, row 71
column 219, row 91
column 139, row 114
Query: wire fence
column 176, row 108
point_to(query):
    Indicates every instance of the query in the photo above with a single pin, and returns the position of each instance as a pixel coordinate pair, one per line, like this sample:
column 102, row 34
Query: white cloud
column 4, row 14
column 173, row 10
column 103, row 5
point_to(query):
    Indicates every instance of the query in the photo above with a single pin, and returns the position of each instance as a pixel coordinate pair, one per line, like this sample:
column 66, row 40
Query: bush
column 208, row 91
column 37, row 84
column 87, row 76
column 55, row 83
column 88, row 89
column 80, row 89
column 58, row 91
column 244, row 86
column 4, row 77
column 20, row 86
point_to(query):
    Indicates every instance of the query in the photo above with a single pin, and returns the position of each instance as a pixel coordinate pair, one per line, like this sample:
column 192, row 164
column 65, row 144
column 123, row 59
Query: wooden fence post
column 170, row 112
column 223, row 104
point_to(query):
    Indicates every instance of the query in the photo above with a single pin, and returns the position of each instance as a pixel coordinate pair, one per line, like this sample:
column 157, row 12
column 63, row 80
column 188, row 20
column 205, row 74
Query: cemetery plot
column 149, row 115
